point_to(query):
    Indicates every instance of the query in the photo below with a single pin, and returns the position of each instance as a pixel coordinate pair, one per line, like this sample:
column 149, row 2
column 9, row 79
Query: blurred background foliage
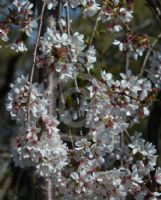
column 17, row 184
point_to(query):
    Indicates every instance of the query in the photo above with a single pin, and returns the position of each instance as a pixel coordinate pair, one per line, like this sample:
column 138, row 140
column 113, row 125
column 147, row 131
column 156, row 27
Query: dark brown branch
column 34, row 57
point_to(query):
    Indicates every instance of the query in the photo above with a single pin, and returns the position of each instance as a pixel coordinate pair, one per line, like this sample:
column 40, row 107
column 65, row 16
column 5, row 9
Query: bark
column 153, row 128
column 45, row 189
column 9, row 75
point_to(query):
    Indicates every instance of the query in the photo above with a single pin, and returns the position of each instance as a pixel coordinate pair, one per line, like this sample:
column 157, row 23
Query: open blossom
column 91, row 8
column 28, row 26
column 155, row 69
column 23, row 6
column 4, row 33
column 51, row 39
column 52, row 4
column 125, row 15
column 134, row 45
column 66, row 70
column 19, row 46
column 91, row 58
column 75, row 3
column 158, row 175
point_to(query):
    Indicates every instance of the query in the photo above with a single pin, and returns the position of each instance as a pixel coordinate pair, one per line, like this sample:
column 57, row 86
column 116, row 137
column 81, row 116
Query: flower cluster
column 68, row 53
column 134, row 45
column 114, row 101
column 114, row 15
column 90, row 181
column 18, row 101
column 154, row 73
column 40, row 146
column 24, row 17
column 19, row 18
column 90, row 7
column 146, row 150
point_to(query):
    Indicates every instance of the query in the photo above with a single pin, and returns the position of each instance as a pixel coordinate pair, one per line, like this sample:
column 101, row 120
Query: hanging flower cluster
column 113, row 102
column 40, row 145
column 19, row 18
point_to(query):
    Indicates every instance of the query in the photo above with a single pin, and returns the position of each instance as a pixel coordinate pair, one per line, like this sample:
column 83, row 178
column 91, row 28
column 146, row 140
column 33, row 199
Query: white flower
column 83, row 144
column 158, row 175
column 29, row 25
column 3, row 34
column 155, row 70
column 51, row 4
column 18, row 46
column 120, row 44
column 66, row 71
column 23, row 6
column 75, row 3
column 126, row 15
column 91, row 57
column 91, row 8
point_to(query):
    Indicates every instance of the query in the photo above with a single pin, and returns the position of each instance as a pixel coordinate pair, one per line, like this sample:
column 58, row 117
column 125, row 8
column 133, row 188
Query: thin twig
column 128, row 135
column 61, row 94
column 144, row 186
column 68, row 18
column 70, row 57
column 71, row 138
column 94, row 31
column 59, row 18
column 121, row 147
column 126, row 25
column 34, row 59
column 127, row 62
column 63, row 102
column 148, row 54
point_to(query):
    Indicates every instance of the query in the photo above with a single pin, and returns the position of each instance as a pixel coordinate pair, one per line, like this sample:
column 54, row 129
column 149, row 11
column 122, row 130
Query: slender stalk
column 34, row 58
column 148, row 54
column 121, row 147
column 68, row 18
column 127, row 62
column 94, row 31
column 126, row 25
column 71, row 138
column 128, row 135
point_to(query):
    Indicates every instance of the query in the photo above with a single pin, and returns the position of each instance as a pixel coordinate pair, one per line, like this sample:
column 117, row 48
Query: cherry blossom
column 155, row 69
column 107, row 159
